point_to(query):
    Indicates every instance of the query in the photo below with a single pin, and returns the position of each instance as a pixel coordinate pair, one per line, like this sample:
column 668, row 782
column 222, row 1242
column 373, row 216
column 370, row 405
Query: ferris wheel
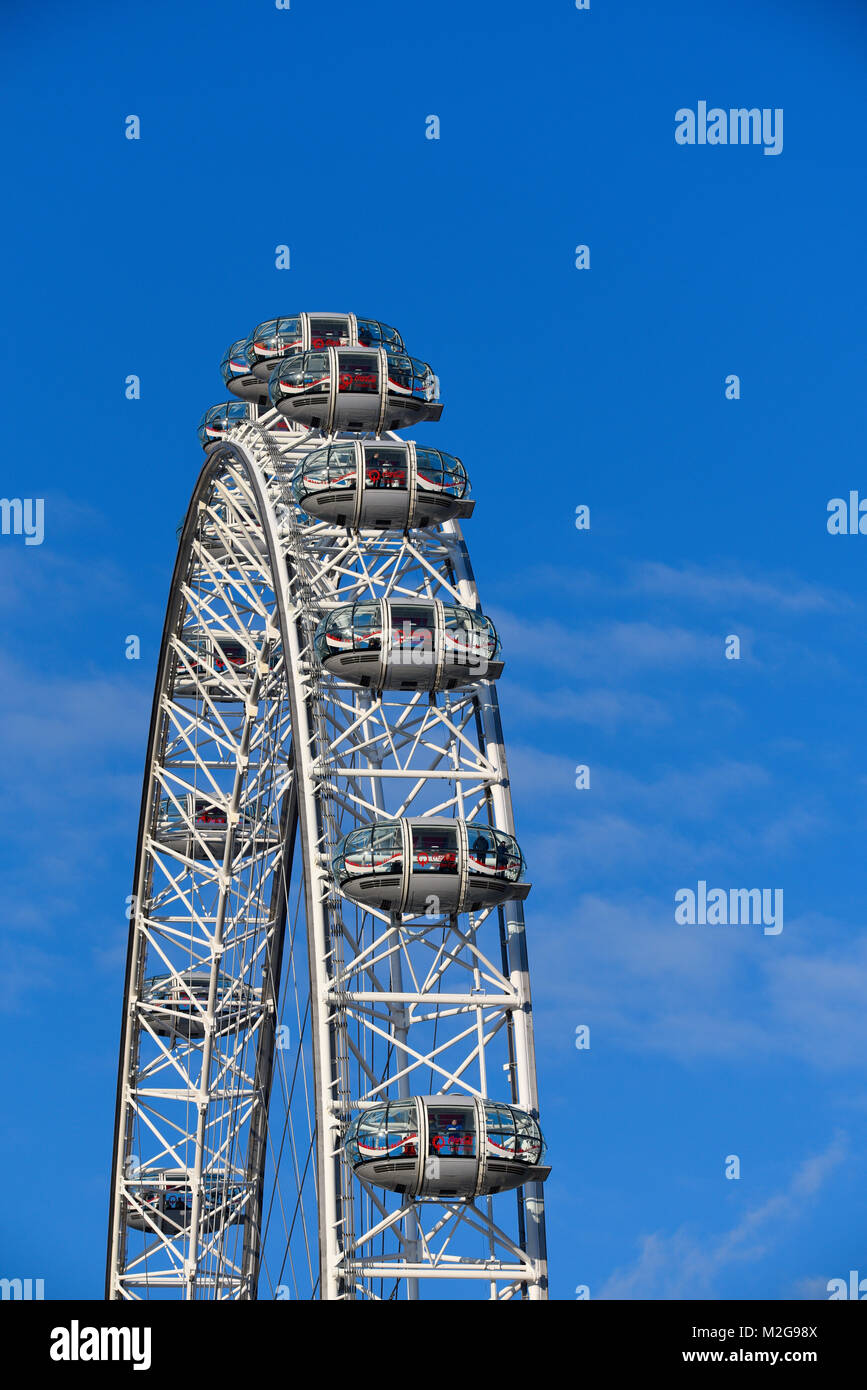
column 327, row 1081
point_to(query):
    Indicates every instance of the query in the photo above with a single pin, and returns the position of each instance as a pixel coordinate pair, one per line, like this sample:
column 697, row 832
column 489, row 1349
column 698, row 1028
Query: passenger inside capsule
column 480, row 848
column 358, row 373
column 452, row 1133
column 385, row 468
column 434, row 849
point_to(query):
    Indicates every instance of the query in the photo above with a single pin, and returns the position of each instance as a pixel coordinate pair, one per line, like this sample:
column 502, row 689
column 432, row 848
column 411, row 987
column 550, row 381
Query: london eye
column 327, row 1083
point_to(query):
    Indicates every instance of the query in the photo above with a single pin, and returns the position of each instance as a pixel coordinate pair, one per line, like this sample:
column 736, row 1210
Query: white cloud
column 685, row 1265
column 600, row 707
column 695, row 584
column 692, row 992
column 611, row 650
column 712, row 587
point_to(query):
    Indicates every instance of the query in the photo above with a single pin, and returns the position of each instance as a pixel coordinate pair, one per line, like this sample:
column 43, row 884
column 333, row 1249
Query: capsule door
column 358, row 379
column 435, row 877
column 328, row 330
column 414, row 640
column 387, row 484
column 452, row 1160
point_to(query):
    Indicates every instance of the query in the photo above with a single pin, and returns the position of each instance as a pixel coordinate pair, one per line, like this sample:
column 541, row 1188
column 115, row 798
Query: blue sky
column 561, row 387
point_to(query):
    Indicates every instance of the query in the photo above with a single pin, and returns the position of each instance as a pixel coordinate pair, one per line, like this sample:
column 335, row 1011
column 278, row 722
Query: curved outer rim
column 172, row 607
column 227, row 453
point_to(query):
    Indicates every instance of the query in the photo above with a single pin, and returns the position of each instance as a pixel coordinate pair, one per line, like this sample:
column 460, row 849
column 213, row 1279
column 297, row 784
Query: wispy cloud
column 609, row 649
column 600, row 707
column 730, row 588
column 71, row 747
column 693, row 993
column 723, row 585
column 684, row 1264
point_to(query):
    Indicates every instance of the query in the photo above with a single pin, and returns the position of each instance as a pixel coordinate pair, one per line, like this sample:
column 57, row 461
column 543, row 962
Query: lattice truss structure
column 301, row 1008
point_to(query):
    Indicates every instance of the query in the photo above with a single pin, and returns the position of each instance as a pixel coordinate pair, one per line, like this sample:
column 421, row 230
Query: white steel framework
column 229, row 1178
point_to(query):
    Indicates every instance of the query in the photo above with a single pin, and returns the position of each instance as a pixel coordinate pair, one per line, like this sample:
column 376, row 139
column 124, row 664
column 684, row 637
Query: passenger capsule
column 161, row 1199
column 373, row 485
column 399, row 865
column 238, row 375
column 175, row 1005
column 408, row 644
column 446, row 1146
column 366, row 389
column 278, row 338
column 222, row 666
column 197, row 828
column 225, row 536
column 215, row 424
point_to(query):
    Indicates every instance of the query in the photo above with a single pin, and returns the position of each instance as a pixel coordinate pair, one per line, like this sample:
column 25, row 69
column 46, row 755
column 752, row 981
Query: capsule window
column 276, row 337
column 235, row 655
column 387, row 844
column 177, row 1202
column 357, row 373
column 529, row 1139
column 265, row 335
column 340, row 621
column 369, row 332
column 366, row 625
column 235, row 361
column 291, row 371
column 494, row 853
column 315, row 368
column 456, row 482
column 482, row 849
column 219, row 417
column 332, row 468
column 289, row 330
column 370, row 1139
column 510, row 862
column 441, row 473
column 500, row 1125
column 412, row 627
column 325, row 332
column 402, row 1130
column 340, row 466
column 434, row 849
column 384, row 468
column 400, row 371
column 464, row 637
column 451, row 1132
column 357, row 855
column 422, row 379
